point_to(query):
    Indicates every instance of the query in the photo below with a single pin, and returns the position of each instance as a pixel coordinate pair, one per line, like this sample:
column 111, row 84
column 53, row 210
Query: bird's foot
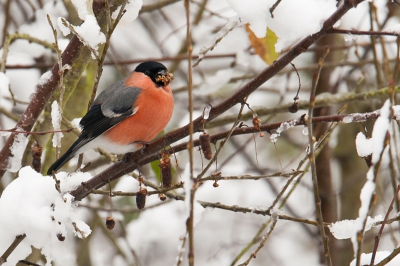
column 126, row 159
column 144, row 145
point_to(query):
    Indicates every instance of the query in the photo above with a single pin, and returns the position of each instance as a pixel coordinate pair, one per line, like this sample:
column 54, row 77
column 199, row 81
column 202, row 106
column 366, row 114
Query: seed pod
column 205, row 145
column 166, row 170
column 36, row 157
column 110, row 223
column 293, row 108
column 141, row 198
column 61, row 237
column 256, row 122
column 215, row 184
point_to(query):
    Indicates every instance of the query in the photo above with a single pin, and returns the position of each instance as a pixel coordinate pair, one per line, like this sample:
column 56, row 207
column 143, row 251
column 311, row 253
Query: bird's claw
column 145, row 145
column 125, row 159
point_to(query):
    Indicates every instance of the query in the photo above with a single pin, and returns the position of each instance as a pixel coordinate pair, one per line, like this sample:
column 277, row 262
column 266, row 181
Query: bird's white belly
column 103, row 143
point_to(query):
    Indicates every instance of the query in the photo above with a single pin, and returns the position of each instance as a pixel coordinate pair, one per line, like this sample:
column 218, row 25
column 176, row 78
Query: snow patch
column 348, row 228
column 17, row 150
column 31, row 205
column 364, row 146
column 56, row 121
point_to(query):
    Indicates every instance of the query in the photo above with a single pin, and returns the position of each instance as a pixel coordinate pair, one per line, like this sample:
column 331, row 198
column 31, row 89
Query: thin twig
column 362, row 32
column 11, row 248
column 194, row 184
column 274, row 6
column 62, row 68
column 133, row 194
column 361, row 232
column 386, row 260
column 249, row 177
column 378, row 236
column 262, row 243
column 311, row 158
column 320, row 101
column 36, row 133
column 72, row 29
column 100, row 60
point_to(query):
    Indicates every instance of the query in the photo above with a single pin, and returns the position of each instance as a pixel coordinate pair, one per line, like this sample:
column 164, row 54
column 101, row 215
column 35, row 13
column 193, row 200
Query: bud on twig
column 162, row 197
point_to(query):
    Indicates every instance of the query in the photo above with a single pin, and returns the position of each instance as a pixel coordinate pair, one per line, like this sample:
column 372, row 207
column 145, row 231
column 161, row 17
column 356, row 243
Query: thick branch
column 44, row 90
column 146, row 157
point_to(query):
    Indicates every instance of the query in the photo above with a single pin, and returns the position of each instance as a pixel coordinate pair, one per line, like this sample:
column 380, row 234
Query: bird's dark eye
column 147, row 73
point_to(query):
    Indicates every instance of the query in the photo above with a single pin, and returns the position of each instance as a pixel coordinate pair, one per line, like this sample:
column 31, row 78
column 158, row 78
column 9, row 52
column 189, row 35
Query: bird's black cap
column 153, row 70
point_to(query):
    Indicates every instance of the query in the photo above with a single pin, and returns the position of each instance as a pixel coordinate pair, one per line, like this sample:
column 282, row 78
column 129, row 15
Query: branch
column 311, row 158
column 378, row 236
column 145, row 157
column 322, row 100
column 362, row 32
column 130, row 161
column 11, row 248
column 44, row 90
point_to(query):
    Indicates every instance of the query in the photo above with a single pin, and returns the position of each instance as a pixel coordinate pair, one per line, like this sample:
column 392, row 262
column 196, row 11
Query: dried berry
column 61, row 237
column 215, row 184
column 205, row 145
column 110, row 223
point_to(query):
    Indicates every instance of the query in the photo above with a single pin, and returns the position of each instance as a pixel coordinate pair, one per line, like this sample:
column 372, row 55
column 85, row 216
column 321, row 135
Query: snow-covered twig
column 94, row 52
column 378, row 237
column 379, row 141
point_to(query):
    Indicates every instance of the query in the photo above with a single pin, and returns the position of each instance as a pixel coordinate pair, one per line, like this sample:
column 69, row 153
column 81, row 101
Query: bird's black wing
column 110, row 107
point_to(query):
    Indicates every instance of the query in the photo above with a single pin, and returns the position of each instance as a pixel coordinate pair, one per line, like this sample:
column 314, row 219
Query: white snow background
column 28, row 203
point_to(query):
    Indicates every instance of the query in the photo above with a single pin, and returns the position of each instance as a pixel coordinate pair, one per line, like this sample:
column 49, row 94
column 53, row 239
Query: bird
column 130, row 112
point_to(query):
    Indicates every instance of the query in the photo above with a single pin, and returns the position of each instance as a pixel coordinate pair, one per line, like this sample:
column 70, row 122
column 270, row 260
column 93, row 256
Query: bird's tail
column 62, row 160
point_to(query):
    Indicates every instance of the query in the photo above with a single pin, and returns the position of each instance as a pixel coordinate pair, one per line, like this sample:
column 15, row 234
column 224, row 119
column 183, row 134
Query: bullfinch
column 131, row 111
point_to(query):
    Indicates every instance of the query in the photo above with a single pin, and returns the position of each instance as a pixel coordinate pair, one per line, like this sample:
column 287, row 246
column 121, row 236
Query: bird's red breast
column 154, row 107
